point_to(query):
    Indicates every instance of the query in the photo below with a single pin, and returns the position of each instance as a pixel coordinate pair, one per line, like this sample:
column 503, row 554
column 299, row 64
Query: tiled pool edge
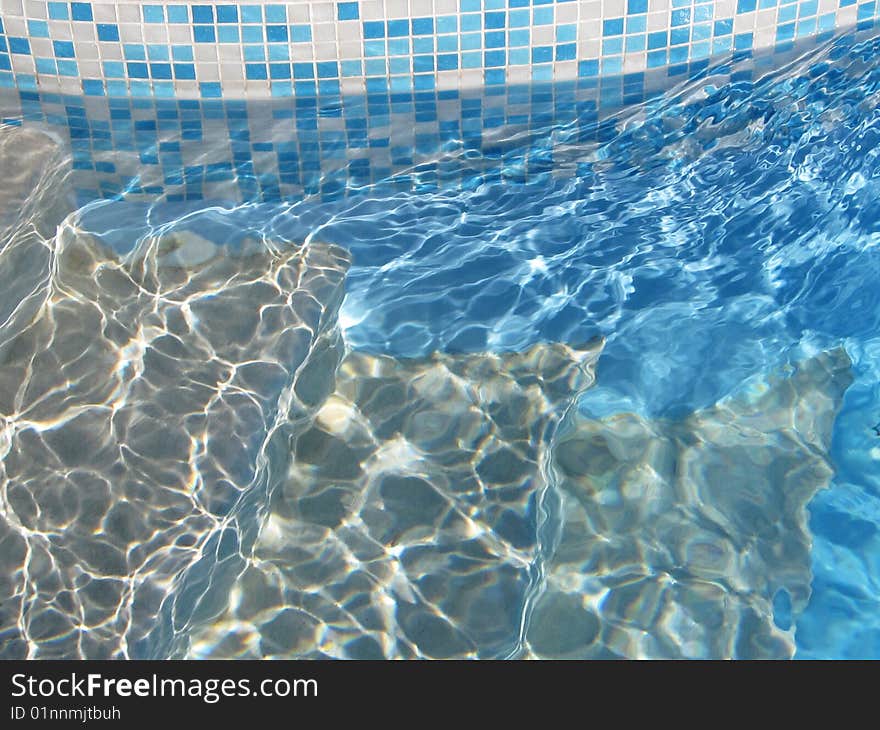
column 319, row 48
column 327, row 145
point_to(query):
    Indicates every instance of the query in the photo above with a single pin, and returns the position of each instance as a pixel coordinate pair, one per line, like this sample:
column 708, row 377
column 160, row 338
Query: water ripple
column 295, row 495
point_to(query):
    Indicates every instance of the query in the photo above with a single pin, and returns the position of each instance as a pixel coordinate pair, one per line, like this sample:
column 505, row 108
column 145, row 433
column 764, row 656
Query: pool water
column 628, row 408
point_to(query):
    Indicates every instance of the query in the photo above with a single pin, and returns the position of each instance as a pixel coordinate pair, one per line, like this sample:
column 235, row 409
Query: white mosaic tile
column 285, row 49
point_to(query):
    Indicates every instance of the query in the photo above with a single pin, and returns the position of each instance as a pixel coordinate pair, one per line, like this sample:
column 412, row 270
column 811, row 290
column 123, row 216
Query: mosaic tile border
column 225, row 150
column 315, row 48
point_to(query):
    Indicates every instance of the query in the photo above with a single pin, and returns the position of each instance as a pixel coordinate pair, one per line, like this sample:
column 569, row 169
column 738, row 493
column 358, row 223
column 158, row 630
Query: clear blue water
column 717, row 237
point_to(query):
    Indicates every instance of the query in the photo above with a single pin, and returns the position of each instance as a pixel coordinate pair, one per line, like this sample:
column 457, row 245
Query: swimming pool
column 568, row 358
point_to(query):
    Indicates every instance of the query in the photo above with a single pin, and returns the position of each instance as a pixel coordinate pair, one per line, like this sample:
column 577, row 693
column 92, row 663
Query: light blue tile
column 351, row 68
column 471, row 41
column 471, row 22
column 516, row 38
column 542, row 16
column 59, row 11
column 612, row 46
column 38, row 28
column 157, row 52
column 519, row 56
column 566, row 33
column 447, row 24
column 251, row 34
column 153, row 14
column 637, row 24
column 300, row 33
column 278, row 52
column 636, row 43
column 251, row 14
column 177, row 14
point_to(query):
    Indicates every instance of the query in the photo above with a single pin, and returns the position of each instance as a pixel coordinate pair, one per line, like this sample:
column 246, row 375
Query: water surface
column 611, row 392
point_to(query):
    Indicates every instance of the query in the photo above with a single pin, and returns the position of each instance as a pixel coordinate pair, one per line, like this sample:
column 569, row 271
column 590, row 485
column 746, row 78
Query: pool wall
column 254, row 50
column 286, row 102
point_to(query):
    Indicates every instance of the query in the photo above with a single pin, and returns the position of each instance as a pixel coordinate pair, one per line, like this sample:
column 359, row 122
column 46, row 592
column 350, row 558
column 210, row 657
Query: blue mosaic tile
column 259, row 50
column 81, row 11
